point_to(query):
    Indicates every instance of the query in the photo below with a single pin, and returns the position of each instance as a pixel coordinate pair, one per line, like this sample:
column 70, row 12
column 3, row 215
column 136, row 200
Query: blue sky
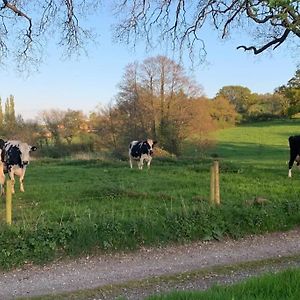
column 91, row 81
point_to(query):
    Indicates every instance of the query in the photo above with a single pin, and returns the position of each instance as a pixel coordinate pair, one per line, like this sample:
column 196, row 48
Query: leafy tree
column 267, row 106
column 53, row 120
column 107, row 127
column 131, row 105
column 291, row 91
column 223, row 112
column 241, row 97
column 72, row 124
column 9, row 114
column 151, row 100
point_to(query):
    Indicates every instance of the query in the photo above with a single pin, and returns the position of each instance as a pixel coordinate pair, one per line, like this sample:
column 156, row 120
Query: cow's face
column 25, row 150
column 150, row 145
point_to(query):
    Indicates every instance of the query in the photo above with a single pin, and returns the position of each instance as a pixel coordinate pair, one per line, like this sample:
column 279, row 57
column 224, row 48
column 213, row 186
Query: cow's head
column 25, row 150
column 150, row 144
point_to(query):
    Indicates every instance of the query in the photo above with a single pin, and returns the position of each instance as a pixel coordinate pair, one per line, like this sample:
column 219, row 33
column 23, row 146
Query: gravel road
column 98, row 271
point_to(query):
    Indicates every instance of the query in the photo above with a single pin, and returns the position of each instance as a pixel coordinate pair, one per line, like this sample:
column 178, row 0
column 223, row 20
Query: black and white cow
column 141, row 151
column 15, row 156
column 294, row 142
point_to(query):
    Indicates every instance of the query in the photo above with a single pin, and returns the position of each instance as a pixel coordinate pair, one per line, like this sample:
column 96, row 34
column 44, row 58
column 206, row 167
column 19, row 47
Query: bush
column 63, row 150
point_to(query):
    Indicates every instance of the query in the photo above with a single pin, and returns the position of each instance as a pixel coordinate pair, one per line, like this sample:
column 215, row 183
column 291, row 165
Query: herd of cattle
column 15, row 156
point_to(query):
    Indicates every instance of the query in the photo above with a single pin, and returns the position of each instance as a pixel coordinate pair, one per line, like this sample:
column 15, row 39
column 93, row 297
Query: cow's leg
column 293, row 155
column 297, row 160
column 130, row 162
column 22, row 175
column 149, row 162
column 140, row 163
column 2, row 178
column 12, row 178
column 21, row 184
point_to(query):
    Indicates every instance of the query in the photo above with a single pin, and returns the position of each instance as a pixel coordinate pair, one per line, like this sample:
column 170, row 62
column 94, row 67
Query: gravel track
column 98, row 271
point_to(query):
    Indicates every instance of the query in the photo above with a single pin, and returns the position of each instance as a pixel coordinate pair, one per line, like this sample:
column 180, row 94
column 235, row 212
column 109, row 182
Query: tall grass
column 76, row 206
column 281, row 286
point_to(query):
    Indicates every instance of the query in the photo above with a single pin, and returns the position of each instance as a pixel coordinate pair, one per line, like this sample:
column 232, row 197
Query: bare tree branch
column 46, row 19
column 180, row 22
column 277, row 42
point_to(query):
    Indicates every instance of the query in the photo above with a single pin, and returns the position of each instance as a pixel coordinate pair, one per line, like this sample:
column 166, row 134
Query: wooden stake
column 217, row 182
column 212, row 185
column 8, row 202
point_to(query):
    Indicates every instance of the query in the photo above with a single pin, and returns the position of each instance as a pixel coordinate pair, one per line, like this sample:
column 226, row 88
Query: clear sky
column 90, row 81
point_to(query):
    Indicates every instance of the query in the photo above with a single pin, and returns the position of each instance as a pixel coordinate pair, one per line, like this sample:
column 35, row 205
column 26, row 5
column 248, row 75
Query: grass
column 72, row 207
column 284, row 285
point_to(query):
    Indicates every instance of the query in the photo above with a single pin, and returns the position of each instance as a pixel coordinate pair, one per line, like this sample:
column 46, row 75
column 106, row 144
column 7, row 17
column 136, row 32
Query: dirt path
column 94, row 272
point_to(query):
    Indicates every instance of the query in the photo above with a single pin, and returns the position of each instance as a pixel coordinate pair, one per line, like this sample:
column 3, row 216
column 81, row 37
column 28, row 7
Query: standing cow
column 294, row 142
column 141, row 151
column 15, row 156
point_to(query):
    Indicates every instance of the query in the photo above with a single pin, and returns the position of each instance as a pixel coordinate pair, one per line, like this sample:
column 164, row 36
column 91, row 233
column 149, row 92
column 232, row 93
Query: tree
column 9, row 114
column 71, row 124
column 151, row 100
column 267, row 106
column 108, row 127
column 53, row 120
column 181, row 21
column 291, row 91
column 223, row 112
column 25, row 25
column 241, row 97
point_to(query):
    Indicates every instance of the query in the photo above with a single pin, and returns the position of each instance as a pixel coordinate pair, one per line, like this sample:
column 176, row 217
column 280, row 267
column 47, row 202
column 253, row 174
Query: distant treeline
column 155, row 99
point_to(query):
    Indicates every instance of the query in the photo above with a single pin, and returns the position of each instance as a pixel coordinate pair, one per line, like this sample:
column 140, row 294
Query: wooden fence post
column 217, row 182
column 212, row 185
column 8, row 202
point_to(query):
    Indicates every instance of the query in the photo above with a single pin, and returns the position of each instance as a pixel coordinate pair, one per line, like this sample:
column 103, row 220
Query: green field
column 73, row 206
column 284, row 285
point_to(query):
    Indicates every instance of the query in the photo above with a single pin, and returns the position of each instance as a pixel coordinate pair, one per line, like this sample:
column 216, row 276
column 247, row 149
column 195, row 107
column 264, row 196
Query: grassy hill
column 265, row 142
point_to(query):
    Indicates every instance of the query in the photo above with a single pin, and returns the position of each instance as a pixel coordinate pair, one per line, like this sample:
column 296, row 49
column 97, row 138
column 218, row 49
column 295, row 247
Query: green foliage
column 169, row 136
column 280, row 3
column 241, row 97
column 64, row 150
column 291, row 92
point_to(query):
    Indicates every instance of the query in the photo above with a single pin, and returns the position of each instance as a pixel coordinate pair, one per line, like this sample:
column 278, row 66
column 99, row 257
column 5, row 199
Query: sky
column 91, row 81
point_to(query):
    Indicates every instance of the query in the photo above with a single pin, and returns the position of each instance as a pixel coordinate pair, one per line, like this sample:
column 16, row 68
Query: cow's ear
column 154, row 142
column 33, row 148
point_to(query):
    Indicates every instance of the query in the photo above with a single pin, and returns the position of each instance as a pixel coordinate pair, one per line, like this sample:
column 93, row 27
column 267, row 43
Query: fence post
column 217, row 182
column 212, row 185
column 8, row 202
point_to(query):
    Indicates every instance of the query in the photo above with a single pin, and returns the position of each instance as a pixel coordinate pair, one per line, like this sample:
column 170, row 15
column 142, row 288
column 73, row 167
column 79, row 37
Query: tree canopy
column 26, row 25
column 181, row 21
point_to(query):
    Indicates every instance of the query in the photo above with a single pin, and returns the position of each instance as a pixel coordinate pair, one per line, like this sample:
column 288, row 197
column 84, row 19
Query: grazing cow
column 15, row 156
column 141, row 151
column 294, row 142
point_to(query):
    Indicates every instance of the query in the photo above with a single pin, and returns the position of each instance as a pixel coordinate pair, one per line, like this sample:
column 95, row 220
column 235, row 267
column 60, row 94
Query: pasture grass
column 72, row 207
column 281, row 286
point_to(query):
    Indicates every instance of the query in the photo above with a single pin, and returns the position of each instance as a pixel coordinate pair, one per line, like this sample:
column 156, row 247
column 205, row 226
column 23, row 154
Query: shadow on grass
column 257, row 154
